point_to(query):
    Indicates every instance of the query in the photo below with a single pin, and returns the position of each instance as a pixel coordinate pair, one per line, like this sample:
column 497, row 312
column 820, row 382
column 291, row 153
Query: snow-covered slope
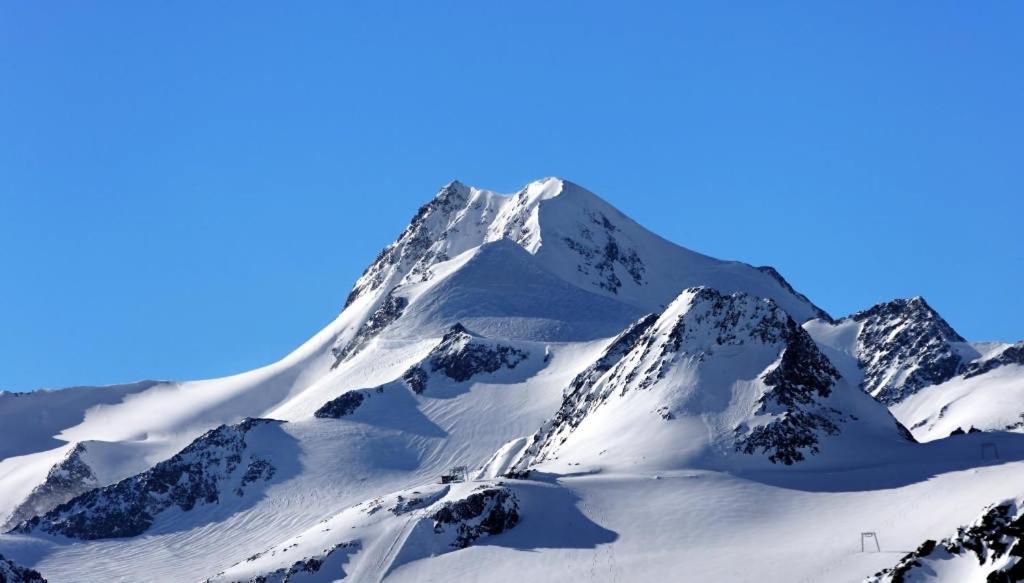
column 615, row 427
column 992, row 401
column 366, row 541
column 717, row 381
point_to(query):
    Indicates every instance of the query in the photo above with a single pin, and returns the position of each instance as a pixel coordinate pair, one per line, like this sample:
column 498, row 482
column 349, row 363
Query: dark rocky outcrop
column 11, row 572
column 305, row 566
column 199, row 474
column 416, row 379
column 68, row 478
column 461, row 356
column 993, row 542
column 611, row 356
column 489, row 511
column 341, row 406
column 793, row 407
column 390, row 309
column 904, row 345
column 414, row 250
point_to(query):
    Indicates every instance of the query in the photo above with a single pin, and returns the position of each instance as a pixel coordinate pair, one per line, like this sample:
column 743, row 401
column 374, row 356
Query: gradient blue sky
column 189, row 189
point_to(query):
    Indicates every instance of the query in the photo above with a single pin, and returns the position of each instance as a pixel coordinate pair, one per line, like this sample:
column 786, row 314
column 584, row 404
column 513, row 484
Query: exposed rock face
column 993, row 542
column 790, row 416
column 416, row 379
column 611, row 356
column 460, row 356
column 11, row 572
column 802, row 376
column 201, row 473
column 70, row 477
column 417, row 248
column 344, row 405
column 488, row 511
column 389, row 310
column 904, row 345
column 586, row 242
column 1011, row 355
column 577, row 399
column 600, row 252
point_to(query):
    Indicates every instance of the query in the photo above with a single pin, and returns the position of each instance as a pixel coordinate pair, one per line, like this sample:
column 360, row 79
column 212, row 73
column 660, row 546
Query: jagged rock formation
column 365, row 541
column 616, row 349
column 70, row 477
column 11, row 572
column 488, row 511
column 904, row 345
column 346, row 404
column 211, row 466
column 990, row 549
column 802, row 376
column 461, row 356
column 423, row 242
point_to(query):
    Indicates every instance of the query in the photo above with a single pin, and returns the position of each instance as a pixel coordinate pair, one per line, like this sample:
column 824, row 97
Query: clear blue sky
column 189, row 189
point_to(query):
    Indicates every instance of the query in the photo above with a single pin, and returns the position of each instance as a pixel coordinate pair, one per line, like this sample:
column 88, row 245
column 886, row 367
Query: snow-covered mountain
column 609, row 404
column 716, row 381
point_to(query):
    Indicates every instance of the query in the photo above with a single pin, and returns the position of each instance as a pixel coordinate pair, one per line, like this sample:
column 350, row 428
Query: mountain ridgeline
column 538, row 377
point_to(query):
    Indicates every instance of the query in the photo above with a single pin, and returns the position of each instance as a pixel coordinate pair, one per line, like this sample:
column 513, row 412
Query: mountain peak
column 717, row 378
column 572, row 234
column 901, row 346
column 909, row 310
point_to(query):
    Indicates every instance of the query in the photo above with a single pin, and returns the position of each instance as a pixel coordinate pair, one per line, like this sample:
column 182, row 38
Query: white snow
column 554, row 272
column 991, row 401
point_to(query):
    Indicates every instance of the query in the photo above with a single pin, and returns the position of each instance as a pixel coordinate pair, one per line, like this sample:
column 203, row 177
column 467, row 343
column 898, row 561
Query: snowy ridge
column 209, row 468
column 65, row 480
column 993, row 401
column 1010, row 355
column 368, row 540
